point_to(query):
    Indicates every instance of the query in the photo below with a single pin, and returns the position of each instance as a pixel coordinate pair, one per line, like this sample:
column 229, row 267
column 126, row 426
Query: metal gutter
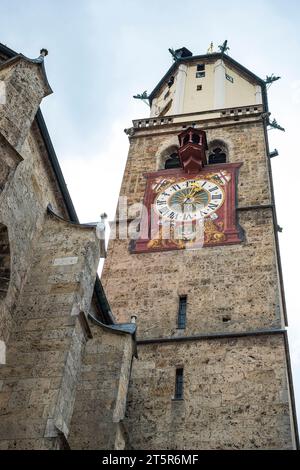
column 181, row 339
column 291, row 386
column 56, row 167
column 250, row 208
column 120, row 328
column 103, row 302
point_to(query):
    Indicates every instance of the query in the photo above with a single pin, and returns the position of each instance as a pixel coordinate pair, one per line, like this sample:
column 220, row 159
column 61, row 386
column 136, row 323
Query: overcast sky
column 103, row 52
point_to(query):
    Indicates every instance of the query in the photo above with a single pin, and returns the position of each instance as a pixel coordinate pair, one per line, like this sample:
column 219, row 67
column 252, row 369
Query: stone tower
column 213, row 370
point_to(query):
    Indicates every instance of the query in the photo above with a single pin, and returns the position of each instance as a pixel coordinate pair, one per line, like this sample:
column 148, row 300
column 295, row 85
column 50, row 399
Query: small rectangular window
column 170, row 82
column 229, row 78
column 199, row 87
column 179, row 384
column 200, row 67
column 181, row 320
column 200, row 74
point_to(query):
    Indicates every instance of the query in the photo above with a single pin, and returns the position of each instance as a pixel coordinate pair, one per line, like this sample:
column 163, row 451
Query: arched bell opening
column 169, row 158
column 217, row 152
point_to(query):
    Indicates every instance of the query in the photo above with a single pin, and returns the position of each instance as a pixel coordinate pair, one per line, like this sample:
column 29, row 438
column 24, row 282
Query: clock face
column 189, row 200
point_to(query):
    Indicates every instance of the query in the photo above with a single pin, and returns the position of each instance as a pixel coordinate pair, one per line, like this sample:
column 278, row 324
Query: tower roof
column 188, row 57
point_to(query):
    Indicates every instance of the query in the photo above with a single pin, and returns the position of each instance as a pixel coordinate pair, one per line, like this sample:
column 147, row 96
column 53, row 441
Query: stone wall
column 236, row 390
column 39, row 379
column 25, row 85
column 235, row 395
column 239, row 282
column 23, row 202
column 246, row 144
column 102, row 392
column 48, row 269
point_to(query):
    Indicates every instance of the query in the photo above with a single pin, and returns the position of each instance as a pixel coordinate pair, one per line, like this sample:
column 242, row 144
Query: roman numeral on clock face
column 187, row 200
column 164, row 210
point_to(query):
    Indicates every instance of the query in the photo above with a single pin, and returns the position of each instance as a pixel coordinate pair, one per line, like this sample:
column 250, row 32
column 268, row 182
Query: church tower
column 200, row 267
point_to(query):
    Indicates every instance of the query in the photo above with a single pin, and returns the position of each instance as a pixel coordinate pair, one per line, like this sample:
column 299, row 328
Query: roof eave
column 216, row 55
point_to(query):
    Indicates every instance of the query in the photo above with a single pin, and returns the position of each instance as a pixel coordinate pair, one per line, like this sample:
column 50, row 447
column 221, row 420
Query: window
column 179, row 384
column 217, row 156
column 200, row 71
column 181, row 320
column 169, row 153
column 173, row 161
column 170, row 82
column 166, row 95
column 229, row 78
column 199, row 87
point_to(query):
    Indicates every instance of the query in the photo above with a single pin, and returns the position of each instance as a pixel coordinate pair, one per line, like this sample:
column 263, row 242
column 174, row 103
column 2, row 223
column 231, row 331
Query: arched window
column 168, row 158
column 196, row 138
column 217, row 152
column 173, row 161
column 4, row 261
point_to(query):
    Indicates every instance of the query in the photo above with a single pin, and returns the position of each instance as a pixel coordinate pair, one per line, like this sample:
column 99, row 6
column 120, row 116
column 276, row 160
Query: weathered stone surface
column 32, row 341
column 48, row 270
column 235, row 390
column 65, row 379
column 245, row 142
column 239, row 281
column 102, row 392
column 25, row 86
column 235, row 395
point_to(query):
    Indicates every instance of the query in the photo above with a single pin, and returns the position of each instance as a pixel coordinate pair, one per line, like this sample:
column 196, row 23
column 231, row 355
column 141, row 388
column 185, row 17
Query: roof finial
column 173, row 54
column 43, row 52
column 210, row 50
column 224, row 47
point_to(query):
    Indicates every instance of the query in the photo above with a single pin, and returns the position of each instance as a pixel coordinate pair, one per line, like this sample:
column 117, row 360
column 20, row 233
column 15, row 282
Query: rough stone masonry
column 65, row 363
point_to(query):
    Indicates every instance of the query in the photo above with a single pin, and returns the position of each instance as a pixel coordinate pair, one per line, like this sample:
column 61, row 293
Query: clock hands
column 190, row 197
column 194, row 191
